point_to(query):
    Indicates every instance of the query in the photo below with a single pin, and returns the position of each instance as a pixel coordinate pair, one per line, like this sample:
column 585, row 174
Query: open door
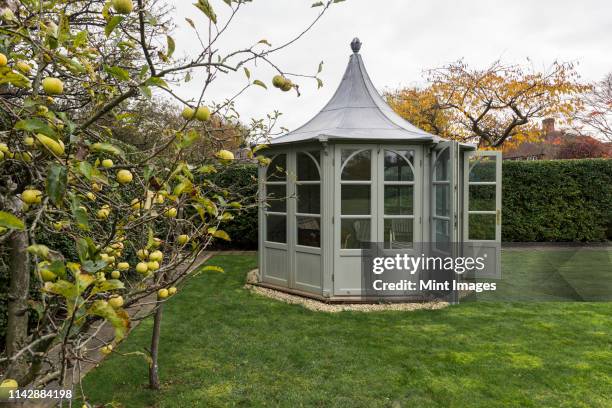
column 444, row 198
column 482, row 177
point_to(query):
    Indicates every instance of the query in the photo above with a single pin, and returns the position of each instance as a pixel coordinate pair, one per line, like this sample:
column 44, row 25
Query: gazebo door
column 378, row 199
column 482, row 207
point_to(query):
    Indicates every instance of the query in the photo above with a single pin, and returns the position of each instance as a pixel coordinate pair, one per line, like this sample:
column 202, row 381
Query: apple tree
column 130, row 220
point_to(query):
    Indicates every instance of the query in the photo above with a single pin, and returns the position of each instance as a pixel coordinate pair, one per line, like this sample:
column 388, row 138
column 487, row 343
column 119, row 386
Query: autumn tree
column 492, row 106
column 596, row 117
column 133, row 221
column 422, row 108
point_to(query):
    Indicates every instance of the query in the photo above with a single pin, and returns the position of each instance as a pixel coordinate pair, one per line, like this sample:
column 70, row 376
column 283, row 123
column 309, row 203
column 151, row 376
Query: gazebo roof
column 356, row 112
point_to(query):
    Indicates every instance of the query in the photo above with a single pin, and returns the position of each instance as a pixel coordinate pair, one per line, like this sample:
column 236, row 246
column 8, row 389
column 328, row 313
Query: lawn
column 224, row 346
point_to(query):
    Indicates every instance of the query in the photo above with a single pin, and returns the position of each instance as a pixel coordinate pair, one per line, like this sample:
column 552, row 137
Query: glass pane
column 399, row 233
column 276, row 226
column 442, row 207
column 309, row 198
column 482, row 198
column 306, row 167
column 309, row 231
column 397, row 167
column 442, row 231
column 355, row 199
column 399, row 200
column 482, row 227
column 354, row 232
column 482, row 168
column 357, row 167
column 278, row 168
column 441, row 168
column 276, row 198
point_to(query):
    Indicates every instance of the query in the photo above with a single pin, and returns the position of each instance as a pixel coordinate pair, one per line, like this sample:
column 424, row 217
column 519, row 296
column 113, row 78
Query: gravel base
column 319, row 306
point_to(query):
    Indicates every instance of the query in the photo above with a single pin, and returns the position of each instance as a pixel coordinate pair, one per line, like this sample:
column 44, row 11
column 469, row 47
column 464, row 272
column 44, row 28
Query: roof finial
column 355, row 45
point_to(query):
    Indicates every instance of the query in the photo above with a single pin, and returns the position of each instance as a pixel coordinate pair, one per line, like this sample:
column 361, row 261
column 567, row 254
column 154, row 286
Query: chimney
column 548, row 126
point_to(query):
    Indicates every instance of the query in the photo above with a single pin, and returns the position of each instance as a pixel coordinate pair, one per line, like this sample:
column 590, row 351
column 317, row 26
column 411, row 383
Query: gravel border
column 318, row 306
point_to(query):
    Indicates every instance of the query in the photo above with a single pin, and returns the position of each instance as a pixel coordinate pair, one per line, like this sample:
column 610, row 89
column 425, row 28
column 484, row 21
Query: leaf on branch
column 36, row 125
column 117, row 73
column 8, row 220
column 320, row 67
column 156, row 81
column 264, row 41
column 171, row 46
column 258, row 82
column 190, row 22
column 146, row 91
column 247, row 73
column 56, row 183
column 112, row 24
column 317, row 4
column 117, row 318
column 319, row 83
column 219, row 234
column 80, row 39
column 39, row 250
column 108, row 285
column 207, row 9
column 107, row 148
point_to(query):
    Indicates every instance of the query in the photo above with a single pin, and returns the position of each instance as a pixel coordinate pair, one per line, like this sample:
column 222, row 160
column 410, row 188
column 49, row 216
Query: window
column 308, row 191
column 481, row 198
column 398, row 199
column 441, row 214
column 355, row 198
column 276, row 200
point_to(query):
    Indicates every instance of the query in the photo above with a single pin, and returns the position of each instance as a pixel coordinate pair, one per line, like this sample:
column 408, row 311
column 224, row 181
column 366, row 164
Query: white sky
column 401, row 38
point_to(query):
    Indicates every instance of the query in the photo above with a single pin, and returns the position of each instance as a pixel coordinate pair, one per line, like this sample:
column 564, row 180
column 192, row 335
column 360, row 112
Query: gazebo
column 358, row 173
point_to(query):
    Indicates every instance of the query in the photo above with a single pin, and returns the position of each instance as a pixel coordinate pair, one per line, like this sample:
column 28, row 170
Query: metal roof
column 356, row 112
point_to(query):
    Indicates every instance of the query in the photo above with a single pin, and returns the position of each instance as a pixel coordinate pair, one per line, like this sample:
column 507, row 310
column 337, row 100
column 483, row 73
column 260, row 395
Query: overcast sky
column 401, row 38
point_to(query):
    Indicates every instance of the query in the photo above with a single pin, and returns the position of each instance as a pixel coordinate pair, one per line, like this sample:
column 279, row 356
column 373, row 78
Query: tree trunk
column 17, row 322
column 154, row 369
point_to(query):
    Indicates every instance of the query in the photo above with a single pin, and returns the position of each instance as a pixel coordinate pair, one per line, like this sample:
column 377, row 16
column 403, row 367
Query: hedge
column 557, row 201
column 542, row 201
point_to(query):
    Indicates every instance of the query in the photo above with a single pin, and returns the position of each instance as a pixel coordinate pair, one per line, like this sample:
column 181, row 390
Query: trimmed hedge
column 542, row 201
column 557, row 200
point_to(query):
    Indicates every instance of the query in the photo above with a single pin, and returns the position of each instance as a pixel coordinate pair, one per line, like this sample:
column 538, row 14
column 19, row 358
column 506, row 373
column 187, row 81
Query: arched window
column 276, row 203
column 441, row 199
column 355, row 198
column 398, row 199
column 308, row 191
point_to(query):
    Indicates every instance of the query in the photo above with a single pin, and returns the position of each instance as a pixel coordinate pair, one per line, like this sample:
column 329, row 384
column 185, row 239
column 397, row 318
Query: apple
column 90, row 196
column 123, row 6
column 162, row 293
column 107, row 163
column 170, row 212
column 278, row 81
column 124, row 176
column 123, row 266
column 103, row 213
column 142, row 254
column 115, row 274
column 28, row 141
column 53, row 86
column 183, row 239
column 225, row 155
column 188, row 113
column 31, row 196
column 142, row 268
column 172, row 290
column 107, row 349
column 3, row 60
column 152, row 265
column 202, row 113
column 23, row 67
column 96, row 187
column 116, row 302
column 156, row 256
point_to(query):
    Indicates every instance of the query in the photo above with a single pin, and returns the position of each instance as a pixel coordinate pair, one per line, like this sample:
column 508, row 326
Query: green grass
column 224, row 346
